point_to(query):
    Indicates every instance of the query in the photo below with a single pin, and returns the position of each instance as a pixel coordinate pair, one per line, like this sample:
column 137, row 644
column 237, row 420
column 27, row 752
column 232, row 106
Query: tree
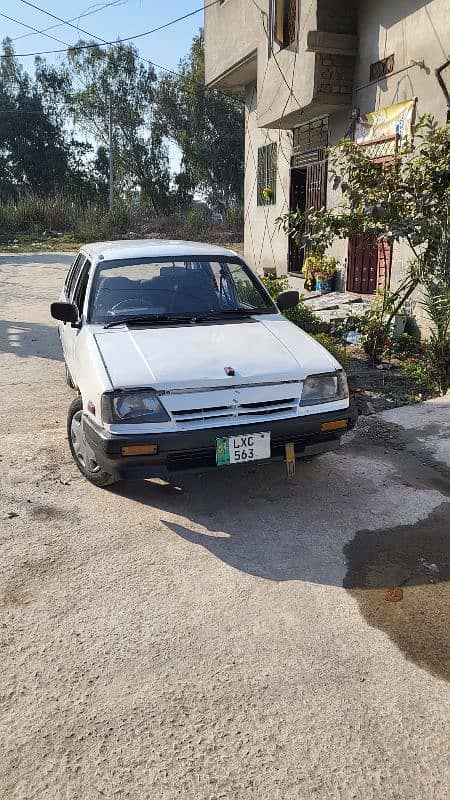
column 208, row 127
column 406, row 200
column 139, row 153
column 34, row 156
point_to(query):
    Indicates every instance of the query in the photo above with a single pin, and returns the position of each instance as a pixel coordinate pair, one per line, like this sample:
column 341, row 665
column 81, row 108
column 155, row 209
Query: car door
column 64, row 328
column 77, row 295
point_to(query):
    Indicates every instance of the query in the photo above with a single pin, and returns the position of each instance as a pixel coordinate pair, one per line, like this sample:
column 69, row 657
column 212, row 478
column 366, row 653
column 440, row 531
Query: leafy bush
column 302, row 315
column 196, row 221
column 437, row 355
column 405, row 345
column 419, row 373
column 335, row 347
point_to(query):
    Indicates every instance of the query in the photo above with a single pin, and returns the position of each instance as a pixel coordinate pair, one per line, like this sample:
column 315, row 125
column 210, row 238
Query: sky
column 125, row 18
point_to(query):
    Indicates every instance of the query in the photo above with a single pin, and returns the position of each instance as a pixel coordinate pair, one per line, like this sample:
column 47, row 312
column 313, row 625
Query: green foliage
column 208, row 127
column 319, row 266
column 275, row 285
column 335, row 347
column 403, row 200
column 418, row 371
column 405, row 345
column 302, row 315
column 140, row 156
column 437, row 305
column 91, row 221
column 196, row 221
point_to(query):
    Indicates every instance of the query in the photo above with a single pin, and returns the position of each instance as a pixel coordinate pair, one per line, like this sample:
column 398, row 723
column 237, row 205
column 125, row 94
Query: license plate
column 240, row 449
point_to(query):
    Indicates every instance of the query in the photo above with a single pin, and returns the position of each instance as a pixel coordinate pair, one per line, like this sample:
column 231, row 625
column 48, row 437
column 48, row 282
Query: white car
column 181, row 360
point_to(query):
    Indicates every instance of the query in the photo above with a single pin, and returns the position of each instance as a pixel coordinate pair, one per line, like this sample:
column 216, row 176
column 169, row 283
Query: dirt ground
column 225, row 636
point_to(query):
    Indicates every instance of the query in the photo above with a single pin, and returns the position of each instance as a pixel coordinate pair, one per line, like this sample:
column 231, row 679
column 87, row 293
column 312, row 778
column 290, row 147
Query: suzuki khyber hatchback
column 181, row 360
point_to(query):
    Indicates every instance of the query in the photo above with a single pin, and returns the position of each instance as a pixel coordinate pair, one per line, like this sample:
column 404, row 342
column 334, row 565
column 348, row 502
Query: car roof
column 148, row 248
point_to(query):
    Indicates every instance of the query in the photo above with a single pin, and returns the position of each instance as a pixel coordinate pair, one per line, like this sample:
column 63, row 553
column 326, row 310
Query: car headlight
column 141, row 405
column 324, row 388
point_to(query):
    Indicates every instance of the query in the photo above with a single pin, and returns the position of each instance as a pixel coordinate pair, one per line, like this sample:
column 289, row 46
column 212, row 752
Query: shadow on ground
column 415, row 559
column 30, row 339
column 280, row 531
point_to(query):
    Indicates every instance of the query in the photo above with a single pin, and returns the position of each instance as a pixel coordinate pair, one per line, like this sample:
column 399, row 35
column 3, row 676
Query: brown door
column 316, row 185
column 368, row 264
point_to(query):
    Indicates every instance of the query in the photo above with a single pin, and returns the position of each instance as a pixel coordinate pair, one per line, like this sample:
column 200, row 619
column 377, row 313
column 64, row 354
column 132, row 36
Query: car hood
column 259, row 350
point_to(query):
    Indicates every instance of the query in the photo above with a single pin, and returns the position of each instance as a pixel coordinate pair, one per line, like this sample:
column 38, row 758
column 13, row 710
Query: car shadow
column 258, row 523
column 30, row 340
column 261, row 524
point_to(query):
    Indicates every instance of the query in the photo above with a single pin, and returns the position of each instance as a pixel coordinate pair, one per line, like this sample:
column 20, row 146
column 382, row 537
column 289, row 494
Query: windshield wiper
column 150, row 319
column 227, row 312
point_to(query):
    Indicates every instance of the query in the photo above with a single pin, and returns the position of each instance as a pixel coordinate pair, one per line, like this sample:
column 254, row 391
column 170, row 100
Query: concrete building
column 310, row 72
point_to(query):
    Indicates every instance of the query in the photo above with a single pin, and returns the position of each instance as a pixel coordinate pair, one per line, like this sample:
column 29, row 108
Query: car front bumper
column 195, row 450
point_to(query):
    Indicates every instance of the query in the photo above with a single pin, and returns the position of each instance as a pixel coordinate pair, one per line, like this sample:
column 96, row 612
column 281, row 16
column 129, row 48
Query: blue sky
column 124, row 19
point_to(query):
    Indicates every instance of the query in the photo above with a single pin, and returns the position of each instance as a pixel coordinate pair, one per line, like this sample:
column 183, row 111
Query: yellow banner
column 390, row 121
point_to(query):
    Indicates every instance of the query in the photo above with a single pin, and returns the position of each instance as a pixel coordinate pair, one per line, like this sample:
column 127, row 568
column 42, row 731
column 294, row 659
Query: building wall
column 264, row 246
column 316, row 83
column 413, row 30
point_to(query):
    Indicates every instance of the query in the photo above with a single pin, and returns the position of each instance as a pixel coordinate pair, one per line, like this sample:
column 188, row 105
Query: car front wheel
column 82, row 454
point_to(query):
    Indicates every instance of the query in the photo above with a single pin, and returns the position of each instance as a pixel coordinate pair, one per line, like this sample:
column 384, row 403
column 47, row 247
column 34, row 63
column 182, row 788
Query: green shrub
column 196, row 221
column 335, row 347
column 419, row 373
column 405, row 345
column 302, row 315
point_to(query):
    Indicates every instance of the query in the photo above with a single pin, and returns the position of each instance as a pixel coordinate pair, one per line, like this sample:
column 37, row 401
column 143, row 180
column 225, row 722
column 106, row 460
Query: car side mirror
column 65, row 312
column 288, row 299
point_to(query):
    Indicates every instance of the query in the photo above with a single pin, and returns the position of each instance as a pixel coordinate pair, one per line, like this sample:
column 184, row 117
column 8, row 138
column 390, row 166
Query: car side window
column 72, row 275
column 81, row 286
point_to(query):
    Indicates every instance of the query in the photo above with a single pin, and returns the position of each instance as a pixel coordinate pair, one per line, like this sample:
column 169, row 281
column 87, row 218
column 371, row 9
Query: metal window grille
column 311, row 136
column 381, row 68
column 267, row 175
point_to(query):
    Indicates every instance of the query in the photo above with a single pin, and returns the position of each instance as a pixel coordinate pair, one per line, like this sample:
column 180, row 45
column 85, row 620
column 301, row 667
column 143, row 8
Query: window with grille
column 381, row 68
column 267, row 175
column 285, row 22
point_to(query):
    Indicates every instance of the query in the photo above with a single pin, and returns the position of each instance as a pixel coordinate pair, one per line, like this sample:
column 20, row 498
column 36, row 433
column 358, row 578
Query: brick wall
column 334, row 74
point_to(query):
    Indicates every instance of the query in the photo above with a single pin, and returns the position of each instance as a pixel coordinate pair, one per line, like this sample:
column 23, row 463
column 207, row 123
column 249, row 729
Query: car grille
column 238, row 404
column 267, row 408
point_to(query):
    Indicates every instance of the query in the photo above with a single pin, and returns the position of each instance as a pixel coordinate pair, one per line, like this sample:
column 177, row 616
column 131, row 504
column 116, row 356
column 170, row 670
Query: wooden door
column 316, row 185
column 368, row 264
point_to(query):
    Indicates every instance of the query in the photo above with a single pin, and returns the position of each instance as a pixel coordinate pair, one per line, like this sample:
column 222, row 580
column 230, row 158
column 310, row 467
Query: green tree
column 139, row 154
column 404, row 200
column 34, row 155
column 208, row 127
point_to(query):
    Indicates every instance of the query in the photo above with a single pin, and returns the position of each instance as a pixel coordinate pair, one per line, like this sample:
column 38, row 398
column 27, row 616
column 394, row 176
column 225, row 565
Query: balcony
column 310, row 77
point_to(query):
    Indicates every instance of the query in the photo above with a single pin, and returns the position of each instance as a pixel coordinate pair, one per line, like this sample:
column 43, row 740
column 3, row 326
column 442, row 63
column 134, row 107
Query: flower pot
column 324, row 285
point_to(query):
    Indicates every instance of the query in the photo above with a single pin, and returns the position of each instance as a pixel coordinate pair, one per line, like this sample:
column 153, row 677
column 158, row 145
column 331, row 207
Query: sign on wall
column 390, row 122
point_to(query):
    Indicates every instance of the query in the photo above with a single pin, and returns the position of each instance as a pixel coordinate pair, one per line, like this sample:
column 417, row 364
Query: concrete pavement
column 225, row 635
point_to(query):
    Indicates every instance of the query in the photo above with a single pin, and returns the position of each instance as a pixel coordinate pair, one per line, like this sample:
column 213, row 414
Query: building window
column 267, row 175
column 285, row 22
column 379, row 69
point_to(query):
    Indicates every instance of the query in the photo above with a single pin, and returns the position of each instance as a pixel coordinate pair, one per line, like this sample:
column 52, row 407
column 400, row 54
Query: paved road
column 226, row 636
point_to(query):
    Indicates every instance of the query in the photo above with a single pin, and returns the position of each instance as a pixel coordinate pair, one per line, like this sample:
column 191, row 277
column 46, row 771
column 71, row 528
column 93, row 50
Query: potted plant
column 309, row 267
column 321, row 269
column 266, row 193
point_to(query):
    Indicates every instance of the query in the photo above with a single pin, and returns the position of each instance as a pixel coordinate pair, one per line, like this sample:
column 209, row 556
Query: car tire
column 69, row 380
column 81, row 452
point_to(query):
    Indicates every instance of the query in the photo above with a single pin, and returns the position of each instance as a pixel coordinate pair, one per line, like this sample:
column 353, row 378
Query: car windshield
column 129, row 288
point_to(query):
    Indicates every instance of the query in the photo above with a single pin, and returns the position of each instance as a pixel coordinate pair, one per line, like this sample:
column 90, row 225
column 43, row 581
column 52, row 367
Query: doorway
column 297, row 200
column 308, row 190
